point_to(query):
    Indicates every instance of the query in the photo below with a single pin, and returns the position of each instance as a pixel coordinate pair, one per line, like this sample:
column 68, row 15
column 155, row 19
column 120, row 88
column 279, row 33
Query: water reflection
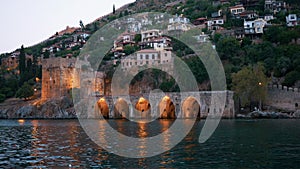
column 236, row 144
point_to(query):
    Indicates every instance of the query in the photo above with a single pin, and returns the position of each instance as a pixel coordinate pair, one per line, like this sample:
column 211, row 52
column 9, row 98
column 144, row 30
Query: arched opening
column 190, row 108
column 143, row 107
column 121, row 109
column 103, row 108
column 166, row 108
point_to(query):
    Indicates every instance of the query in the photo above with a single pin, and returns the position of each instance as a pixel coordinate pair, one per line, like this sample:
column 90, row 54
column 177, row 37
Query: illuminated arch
column 142, row 105
column 190, row 108
column 121, row 109
column 166, row 108
column 142, row 109
column 103, row 107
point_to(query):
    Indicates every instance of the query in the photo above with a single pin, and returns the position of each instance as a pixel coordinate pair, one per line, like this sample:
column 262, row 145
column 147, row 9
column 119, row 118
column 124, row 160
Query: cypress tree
column 22, row 60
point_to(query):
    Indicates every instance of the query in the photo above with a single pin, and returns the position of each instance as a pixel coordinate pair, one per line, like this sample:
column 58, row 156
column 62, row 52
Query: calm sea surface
column 235, row 144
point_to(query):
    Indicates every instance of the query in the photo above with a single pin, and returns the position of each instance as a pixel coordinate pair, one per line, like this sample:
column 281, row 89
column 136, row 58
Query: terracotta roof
column 237, row 6
column 147, row 51
column 201, row 19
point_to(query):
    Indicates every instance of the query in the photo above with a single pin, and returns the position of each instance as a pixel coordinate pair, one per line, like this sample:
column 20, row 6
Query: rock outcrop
column 61, row 108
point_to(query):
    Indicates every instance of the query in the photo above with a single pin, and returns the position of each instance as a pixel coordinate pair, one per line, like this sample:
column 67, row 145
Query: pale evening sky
column 29, row 22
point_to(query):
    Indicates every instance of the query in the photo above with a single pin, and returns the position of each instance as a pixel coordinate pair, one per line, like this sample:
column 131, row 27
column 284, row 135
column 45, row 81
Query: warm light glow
column 260, row 83
column 37, row 79
column 166, row 98
column 141, row 100
column 21, row 121
column 102, row 99
column 35, row 90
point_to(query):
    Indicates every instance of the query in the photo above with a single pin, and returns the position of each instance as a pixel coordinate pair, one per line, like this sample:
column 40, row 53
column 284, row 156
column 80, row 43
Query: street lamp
column 260, row 84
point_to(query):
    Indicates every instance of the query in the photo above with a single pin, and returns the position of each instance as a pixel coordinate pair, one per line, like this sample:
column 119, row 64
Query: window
column 141, row 57
column 153, row 57
column 147, row 56
column 166, row 54
column 147, row 62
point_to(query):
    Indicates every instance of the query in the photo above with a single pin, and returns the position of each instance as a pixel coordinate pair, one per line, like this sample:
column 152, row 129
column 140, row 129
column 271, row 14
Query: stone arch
column 121, row 109
column 143, row 108
column 103, row 107
column 190, row 108
column 166, row 108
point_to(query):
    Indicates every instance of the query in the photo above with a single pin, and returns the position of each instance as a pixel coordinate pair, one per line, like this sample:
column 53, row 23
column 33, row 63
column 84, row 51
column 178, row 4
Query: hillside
column 277, row 47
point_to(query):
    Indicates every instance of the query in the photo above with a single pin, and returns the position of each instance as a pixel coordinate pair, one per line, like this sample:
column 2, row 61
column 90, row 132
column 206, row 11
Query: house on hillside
column 248, row 15
column 148, row 35
column 11, row 62
column 202, row 38
column 217, row 14
column 291, row 20
column 268, row 17
column 235, row 10
column 154, row 39
column 200, row 22
column 254, row 27
column 147, row 57
column 179, row 23
column 215, row 24
column 275, row 6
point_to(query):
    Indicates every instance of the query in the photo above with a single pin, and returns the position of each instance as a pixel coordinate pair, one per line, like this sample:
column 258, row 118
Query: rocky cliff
column 61, row 108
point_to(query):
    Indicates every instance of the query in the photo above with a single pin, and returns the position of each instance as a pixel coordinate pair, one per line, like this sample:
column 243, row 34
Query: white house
column 275, row 6
column 150, row 34
column 147, row 57
column 268, row 17
column 179, row 19
column 291, row 20
column 202, row 38
column 179, row 23
column 215, row 23
column 254, row 27
column 235, row 10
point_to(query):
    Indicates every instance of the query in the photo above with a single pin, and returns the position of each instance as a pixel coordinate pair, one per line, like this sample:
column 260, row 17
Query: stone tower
column 57, row 77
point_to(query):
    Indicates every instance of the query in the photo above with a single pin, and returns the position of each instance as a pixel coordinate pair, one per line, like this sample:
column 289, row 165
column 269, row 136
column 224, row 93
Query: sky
column 28, row 22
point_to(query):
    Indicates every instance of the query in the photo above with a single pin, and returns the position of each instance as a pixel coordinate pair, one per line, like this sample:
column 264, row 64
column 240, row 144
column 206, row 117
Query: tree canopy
column 25, row 91
column 250, row 84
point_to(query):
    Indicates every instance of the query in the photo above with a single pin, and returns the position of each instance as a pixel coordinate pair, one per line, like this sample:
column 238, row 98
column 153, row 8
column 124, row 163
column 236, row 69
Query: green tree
column 129, row 49
column 137, row 38
column 2, row 97
column 22, row 60
column 81, row 25
column 250, row 84
column 46, row 54
column 228, row 48
column 25, row 91
column 291, row 78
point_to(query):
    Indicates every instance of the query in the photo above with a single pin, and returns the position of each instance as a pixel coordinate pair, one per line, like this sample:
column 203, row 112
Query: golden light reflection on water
column 21, row 121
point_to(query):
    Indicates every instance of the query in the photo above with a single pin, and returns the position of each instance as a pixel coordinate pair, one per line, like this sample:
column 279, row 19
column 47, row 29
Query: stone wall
column 283, row 98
